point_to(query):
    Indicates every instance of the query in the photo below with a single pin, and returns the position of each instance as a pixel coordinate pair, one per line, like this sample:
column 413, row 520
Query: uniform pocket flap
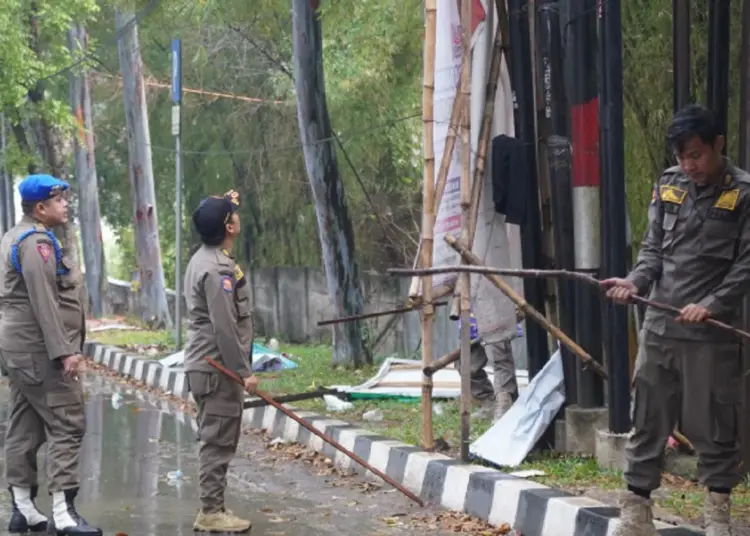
column 56, row 399
column 223, row 408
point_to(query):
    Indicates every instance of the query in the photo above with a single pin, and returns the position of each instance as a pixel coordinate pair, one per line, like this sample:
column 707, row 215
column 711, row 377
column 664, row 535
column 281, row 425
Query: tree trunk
column 48, row 141
column 89, row 215
column 334, row 225
column 140, row 171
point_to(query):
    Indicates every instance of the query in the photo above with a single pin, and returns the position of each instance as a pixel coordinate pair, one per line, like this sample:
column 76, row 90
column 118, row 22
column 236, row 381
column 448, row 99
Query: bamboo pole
column 428, row 216
column 501, row 46
column 464, row 280
column 448, row 359
column 440, row 182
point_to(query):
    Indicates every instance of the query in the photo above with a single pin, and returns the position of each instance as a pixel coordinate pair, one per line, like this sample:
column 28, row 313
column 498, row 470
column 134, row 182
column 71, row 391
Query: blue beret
column 40, row 188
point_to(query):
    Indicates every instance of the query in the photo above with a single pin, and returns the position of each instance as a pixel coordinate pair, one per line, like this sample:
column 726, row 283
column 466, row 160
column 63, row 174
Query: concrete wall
column 289, row 302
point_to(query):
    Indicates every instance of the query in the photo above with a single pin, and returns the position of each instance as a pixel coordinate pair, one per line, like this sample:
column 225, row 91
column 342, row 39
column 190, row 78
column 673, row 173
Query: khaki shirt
column 219, row 310
column 696, row 250
column 42, row 310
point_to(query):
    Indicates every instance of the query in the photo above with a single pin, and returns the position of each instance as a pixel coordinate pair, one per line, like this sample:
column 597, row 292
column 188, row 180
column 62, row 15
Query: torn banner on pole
column 496, row 243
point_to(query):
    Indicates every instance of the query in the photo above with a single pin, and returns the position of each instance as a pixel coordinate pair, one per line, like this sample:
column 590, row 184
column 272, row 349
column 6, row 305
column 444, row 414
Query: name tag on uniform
column 238, row 273
column 728, row 199
column 672, row 194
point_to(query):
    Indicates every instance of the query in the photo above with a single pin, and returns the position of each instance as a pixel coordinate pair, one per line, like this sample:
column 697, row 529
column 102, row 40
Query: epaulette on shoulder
column 740, row 175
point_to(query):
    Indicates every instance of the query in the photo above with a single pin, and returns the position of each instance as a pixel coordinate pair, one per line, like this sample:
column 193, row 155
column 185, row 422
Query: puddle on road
column 139, row 477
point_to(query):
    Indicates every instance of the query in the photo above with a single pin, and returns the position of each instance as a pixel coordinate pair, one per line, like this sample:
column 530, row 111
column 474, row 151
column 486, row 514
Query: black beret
column 213, row 214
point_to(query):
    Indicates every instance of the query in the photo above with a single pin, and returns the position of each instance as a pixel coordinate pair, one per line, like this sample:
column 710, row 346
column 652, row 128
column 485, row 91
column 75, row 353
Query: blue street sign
column 176, row 71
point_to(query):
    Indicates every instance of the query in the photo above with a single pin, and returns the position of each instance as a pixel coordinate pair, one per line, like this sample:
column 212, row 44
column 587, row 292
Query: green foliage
column 647, row 57
column 251, row 143
column 35, row 63
column 242, row 132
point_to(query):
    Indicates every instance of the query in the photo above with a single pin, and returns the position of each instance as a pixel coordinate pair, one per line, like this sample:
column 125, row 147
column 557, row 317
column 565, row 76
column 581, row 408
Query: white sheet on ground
column 403, row 378
column 509, row 440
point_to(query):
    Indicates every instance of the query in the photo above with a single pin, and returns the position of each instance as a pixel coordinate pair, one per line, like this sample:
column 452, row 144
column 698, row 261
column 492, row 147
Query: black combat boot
column 65, row 519
column 25, row 517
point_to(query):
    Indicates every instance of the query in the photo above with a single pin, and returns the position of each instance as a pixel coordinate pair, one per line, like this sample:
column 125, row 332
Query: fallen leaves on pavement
column 459, row 523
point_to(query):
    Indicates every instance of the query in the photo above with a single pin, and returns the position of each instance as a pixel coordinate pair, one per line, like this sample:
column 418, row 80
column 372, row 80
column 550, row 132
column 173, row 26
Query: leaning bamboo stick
column 530, row 311
column 428, row 216
column 565, row 274
column 501, row 45
column 470, row 258
column 464, row 280
column 448, row 359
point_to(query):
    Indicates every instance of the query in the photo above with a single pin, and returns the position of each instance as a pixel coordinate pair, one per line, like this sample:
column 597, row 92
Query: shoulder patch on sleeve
column 45, row 251
column 226, row 283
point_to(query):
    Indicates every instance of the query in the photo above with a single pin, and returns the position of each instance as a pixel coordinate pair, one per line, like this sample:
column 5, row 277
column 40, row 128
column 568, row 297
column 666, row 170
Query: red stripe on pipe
column 585, row 142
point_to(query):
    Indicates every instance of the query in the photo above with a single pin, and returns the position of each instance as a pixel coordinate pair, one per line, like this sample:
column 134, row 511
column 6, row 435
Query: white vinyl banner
column 447, row 75
column 496, row 243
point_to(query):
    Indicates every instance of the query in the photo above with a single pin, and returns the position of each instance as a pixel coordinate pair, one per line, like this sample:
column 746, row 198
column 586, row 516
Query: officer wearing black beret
column 220, row 326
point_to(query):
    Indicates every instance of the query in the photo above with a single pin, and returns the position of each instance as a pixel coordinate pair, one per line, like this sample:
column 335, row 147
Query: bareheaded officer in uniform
column 42, row 328
column 220, row 326
column 696, row 257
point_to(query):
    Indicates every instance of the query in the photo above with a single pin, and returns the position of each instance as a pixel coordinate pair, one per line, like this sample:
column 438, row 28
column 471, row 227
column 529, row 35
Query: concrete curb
column 532, row 509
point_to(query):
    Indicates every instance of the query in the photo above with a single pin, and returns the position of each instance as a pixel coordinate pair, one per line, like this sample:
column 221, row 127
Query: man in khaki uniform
column 696, row 256
column 219, row 319
column 41, row 337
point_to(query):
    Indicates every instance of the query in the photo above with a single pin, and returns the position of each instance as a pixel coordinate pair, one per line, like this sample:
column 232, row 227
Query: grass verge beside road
column 402, row 421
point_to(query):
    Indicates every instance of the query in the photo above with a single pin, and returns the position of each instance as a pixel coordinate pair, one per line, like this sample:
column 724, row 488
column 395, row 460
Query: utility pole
column 556, row 133
column 681, row 53
column 719, row 14
column 531, row 232
column 615, row 220
column 3, row 179
column 176, row 132
column 584, row 121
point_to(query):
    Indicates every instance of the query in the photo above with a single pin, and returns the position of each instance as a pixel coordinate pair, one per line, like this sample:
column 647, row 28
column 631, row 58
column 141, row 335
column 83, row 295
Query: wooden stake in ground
column 428, row 215
column 464, row 279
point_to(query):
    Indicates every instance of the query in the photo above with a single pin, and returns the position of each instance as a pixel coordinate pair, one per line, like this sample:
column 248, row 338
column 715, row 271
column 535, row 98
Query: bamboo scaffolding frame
column 490, row 273
column 428, row 215
column 464, row 278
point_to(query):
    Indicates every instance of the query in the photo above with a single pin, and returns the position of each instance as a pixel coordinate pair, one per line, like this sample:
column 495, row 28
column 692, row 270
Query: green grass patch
column 147, row 344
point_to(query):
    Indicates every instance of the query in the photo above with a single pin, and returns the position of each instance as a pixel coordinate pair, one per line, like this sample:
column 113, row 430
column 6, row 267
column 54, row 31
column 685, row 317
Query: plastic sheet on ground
column 402, row 378
column 264, row 359
column 509, row 440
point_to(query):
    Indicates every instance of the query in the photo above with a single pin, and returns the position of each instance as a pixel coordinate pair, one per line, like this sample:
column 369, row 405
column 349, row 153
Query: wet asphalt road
column 133, row 448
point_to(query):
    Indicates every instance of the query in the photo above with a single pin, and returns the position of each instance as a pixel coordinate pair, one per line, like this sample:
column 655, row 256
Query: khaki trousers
column 699, row 382
column 219, row 401
column 44, row 407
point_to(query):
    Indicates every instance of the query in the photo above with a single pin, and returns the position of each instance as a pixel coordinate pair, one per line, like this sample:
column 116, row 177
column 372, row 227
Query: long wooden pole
column 563, row 274
column 464, row 280
column 501, row 45
column 236, row 378
column 428, row 215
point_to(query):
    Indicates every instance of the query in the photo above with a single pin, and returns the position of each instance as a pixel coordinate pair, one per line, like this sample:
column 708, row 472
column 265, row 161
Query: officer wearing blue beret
column 41, row 337
column 219, row 309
